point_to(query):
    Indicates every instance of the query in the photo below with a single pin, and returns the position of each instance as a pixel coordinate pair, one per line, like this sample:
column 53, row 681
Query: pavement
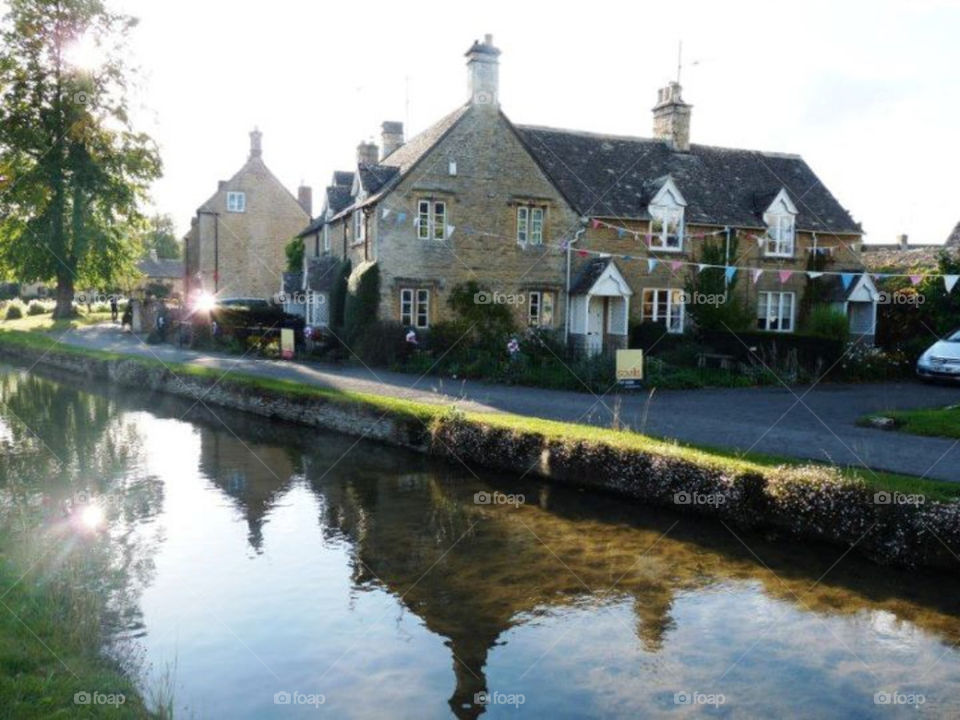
column 799, row 421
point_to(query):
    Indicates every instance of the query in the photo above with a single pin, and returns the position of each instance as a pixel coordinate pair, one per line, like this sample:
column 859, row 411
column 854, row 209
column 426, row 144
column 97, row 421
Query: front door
column 595, row 317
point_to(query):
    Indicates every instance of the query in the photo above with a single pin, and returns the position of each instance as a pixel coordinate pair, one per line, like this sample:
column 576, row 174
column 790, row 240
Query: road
column 799, row 421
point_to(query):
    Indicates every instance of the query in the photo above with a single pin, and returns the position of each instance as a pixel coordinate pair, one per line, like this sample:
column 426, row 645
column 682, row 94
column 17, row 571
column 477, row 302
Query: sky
column 867, row 92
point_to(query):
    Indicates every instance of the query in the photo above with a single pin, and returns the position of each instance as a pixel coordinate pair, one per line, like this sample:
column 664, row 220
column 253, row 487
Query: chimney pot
column 391, row 137
column 671, row 118
column 904, row 241
column 305, row 198
column 483, row 73
column 367, row 153
column 256, row 149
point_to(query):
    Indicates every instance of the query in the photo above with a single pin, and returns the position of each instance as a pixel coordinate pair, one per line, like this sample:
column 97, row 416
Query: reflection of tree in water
column 65, row 450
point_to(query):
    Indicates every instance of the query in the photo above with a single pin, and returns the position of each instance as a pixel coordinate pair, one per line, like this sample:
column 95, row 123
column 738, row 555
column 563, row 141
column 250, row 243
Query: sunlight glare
column 92, row 517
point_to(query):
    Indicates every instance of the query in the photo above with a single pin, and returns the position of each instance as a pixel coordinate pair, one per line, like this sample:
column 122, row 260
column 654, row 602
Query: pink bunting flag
column 916, row 279
column 648, row 239
column 676, row 265
column 596, row 224
column 755, row 274
column 582, row 253
column 785, row 275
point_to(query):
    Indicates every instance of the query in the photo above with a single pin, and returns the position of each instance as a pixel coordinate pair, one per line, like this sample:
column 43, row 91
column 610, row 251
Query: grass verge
column 719, row 458
column 932, row 422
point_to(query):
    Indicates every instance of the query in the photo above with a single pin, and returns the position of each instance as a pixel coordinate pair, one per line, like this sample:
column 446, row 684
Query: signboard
column 286, row 343
column 629, row 366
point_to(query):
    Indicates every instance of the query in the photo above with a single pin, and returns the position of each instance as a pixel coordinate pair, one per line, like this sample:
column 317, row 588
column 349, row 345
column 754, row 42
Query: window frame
column 326, row 238
column 428, row 226
column 675, row 310
column 763, row 302
column 531, row 222
column 417, row 303
column 359, row 234
column 781, row 238
column 663, row 214
column 236, row 207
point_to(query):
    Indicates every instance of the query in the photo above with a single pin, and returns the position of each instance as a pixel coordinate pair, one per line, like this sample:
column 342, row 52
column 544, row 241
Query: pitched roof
column 322, row 273
column 954, row 238
column 342, row 177
column 374, row 177
column 162, row 268
column 292, row 282
column 589, row 274
column 616, row 176
column 338, row 197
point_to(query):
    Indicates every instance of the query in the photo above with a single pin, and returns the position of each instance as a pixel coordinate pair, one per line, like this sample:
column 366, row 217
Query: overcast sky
column 867, row 92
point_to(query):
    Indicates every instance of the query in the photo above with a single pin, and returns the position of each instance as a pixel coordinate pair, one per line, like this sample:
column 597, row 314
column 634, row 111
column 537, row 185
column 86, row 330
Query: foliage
column 74, row 170
column 934, row 422
column 14, row 311
column 825, row 321
column 815, row 294
column 731, row 313
column 338, row 296
column 863, row 363
column 362, row 301
column 160, row 236
column 36, row 308
column 294, row 251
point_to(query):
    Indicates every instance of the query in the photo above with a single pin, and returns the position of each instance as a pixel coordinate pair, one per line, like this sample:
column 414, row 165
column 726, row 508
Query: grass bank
column 932, row 422
column 892, row 518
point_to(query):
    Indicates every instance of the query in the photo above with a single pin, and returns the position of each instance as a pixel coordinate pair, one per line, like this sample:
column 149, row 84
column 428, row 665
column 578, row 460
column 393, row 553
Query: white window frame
column 774, row 299
column 358, row 227
column 415, row 307
column 540, row 308
column 530, row 222
column 316, row 300
column 236, row 201
column 781, row 236
column 431, row 219
column 662, row 239
column 676, row 311
column 326, row 238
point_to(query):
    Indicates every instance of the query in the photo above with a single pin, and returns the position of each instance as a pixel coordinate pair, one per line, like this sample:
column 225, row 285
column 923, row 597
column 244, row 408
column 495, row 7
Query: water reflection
column 588, row 606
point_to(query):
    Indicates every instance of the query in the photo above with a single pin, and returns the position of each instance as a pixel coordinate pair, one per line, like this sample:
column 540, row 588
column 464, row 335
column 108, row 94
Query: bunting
column 949, row 281
column 785, row 275
column 846, row 278
column 729, row 273
column 755, row 274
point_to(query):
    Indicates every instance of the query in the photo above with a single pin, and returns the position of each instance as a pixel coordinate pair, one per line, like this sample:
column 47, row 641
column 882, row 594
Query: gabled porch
column 599, row 308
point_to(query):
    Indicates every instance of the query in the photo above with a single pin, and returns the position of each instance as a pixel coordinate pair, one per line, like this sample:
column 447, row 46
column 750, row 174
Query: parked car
column 942, row 359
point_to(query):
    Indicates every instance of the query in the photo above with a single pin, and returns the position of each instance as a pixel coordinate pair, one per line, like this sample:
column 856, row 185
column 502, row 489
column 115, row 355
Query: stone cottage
column 581, row 232
column 235, row 246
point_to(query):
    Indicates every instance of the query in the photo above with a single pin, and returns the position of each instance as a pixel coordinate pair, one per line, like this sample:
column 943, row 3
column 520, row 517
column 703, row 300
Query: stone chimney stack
column 256, row 150
column 391, row 137
column 483, row 73
column 305, row 198
column 367, row 153
column 671, row 118
column 903, row 241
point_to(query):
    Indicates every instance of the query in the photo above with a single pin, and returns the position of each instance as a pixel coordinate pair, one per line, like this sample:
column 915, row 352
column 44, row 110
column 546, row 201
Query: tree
column 714, row 303
column 161, row 237
column 72, row 169
column 294, row 250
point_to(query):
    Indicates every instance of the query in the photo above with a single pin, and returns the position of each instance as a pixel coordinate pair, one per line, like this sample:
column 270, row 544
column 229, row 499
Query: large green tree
column 73, row 171
column 161, row 237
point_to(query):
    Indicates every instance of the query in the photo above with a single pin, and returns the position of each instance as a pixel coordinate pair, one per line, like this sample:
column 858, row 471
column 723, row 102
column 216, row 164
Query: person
column 114, row 310
column 127, row 316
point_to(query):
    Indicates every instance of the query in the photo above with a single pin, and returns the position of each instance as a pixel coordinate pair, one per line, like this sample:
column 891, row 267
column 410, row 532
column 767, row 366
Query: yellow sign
column 286, row 343
column 629, row 365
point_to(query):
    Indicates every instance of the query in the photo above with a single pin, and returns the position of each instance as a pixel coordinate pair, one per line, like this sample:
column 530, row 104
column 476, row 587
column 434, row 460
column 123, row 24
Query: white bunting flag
column 950, row 281
column 755, row 274
column 450, row 229
column 385, row 214
column 814, row 275
column 701, row 267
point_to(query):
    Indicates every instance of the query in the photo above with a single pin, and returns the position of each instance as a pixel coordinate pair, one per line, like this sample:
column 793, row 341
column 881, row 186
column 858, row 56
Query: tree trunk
column 64, row 308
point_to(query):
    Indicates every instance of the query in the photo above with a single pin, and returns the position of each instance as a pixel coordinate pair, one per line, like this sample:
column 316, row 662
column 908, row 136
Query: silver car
column 942, row 359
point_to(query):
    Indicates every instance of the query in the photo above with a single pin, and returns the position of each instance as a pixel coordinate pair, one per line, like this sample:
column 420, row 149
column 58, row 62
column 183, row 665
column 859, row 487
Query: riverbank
column 890, row 518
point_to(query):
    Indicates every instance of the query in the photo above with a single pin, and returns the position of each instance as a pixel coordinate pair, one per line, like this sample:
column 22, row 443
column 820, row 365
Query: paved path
column 800, row 422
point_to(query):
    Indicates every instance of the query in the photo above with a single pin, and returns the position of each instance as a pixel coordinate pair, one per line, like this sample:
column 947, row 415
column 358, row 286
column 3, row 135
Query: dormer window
column 236, row 202
column 781, row 220
column 666, row 218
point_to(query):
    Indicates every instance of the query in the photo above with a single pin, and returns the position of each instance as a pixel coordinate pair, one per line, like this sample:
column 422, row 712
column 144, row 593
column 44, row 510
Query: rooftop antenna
column 679, row 59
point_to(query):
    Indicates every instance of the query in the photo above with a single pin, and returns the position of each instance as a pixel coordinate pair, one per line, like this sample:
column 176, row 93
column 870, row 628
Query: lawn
column 46, row 323
column 935, row 422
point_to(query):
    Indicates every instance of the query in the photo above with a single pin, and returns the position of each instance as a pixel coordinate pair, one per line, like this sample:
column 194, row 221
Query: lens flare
column 206, row 302
column 92, row 517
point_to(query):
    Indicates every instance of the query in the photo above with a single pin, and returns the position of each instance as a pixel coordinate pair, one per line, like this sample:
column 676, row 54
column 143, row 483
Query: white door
column 594, row 325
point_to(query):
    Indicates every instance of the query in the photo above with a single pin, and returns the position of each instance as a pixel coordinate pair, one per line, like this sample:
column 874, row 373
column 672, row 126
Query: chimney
column 671, row 118
column 391, row 137
column 483, row 73
column 903, row 241
column 367, row 153
column 255, row 148
column 305, row 198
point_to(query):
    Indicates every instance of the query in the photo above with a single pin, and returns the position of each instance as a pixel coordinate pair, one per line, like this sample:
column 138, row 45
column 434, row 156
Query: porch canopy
column 600, row 303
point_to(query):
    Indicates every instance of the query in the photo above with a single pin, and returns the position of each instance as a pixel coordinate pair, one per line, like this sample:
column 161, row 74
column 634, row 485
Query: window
column 326, row 238
column 358, row 227
column 540, row 309
column 665, row 306
column 780, row 236
column 666, row 228
column 530, row 225
column 775, row 311
column 431, row 220
column 415, row 307
column 317, row 309
column 236, row 202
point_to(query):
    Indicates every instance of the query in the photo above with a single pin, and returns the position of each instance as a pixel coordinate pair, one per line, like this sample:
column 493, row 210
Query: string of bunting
column 730, row 271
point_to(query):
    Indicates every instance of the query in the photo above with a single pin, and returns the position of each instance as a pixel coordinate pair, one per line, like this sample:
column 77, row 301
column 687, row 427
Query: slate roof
column 322, row 273
column 374, row 177
column 833, row 289
column 161, row 268
column 617, row 176
column 338, row 197
column 342, row 177
column 589, row 274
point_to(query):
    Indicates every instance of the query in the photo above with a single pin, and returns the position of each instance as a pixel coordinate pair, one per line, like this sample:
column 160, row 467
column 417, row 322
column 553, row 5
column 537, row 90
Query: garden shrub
column 828, row 322
column 14, row 311
column 362, row 301
column 35, row 308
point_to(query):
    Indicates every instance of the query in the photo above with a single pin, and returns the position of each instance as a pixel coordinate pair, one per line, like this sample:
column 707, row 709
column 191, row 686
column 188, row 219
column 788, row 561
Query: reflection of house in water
column 253, row 475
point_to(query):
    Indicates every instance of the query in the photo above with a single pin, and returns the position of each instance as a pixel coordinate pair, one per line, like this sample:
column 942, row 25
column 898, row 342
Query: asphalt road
column 798, row 421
